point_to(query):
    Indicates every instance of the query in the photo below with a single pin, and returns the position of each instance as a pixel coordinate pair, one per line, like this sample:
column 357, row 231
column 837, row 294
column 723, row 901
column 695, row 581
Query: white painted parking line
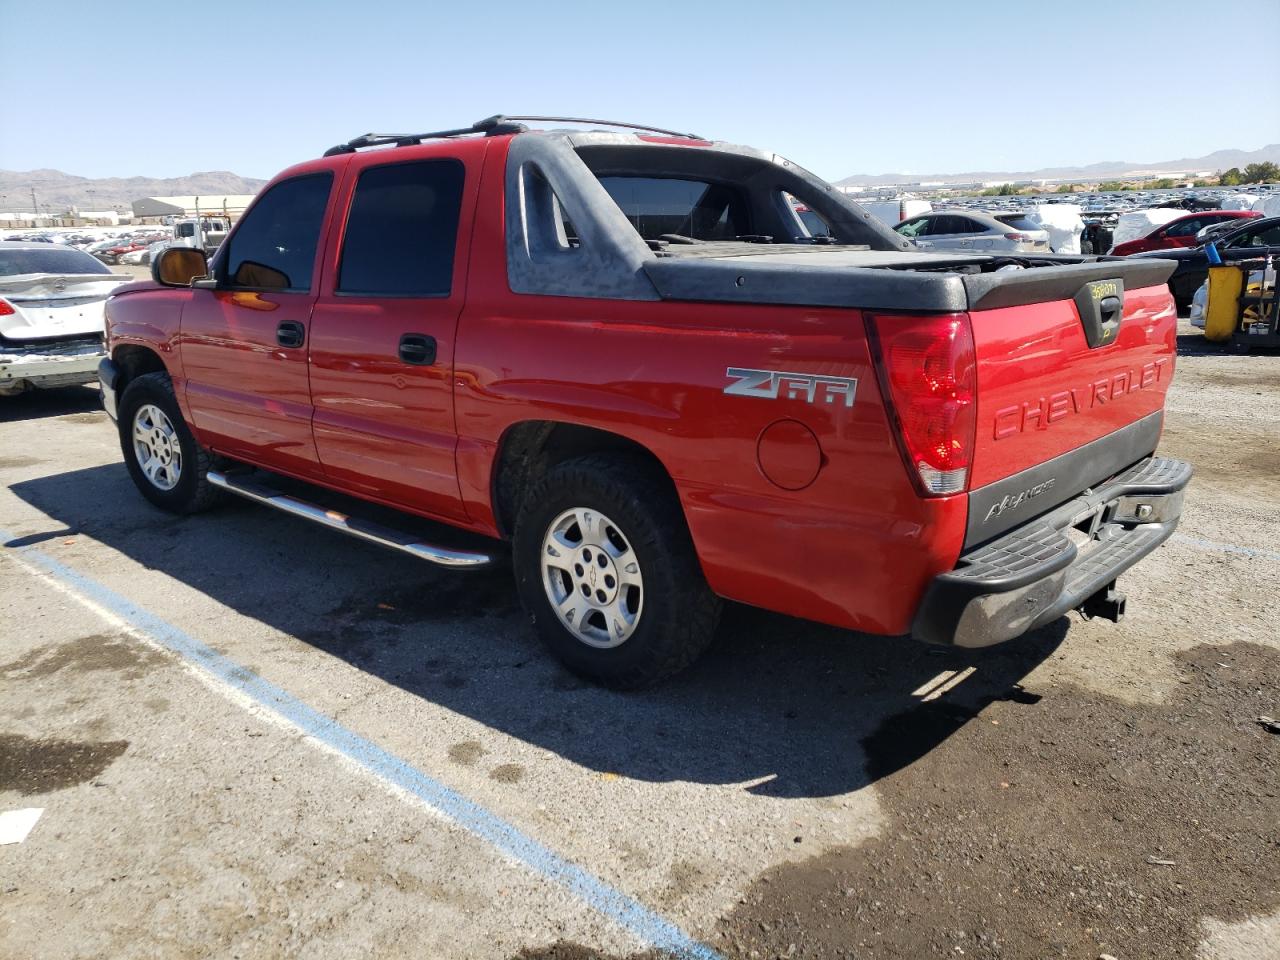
column 1201, row 544
column 265, row 699
column 16, row 824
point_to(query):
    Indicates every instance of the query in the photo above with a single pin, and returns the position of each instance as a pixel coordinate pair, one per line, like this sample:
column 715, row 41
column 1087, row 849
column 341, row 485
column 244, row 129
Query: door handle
column 291, row 333
column 418, row 349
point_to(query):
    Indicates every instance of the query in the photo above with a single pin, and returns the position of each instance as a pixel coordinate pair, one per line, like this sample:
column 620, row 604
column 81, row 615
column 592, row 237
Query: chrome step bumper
column 353, row 526
column 1067, row 559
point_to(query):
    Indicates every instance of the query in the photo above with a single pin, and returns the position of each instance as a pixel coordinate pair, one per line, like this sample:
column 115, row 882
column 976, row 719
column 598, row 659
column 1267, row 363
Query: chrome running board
column 353, row 526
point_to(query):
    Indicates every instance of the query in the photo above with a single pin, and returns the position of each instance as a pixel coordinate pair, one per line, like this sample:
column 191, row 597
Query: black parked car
column 1252, row 238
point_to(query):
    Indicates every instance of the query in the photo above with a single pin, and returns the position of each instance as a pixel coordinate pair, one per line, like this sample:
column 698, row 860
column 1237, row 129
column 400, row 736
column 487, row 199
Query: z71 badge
column 767, row 384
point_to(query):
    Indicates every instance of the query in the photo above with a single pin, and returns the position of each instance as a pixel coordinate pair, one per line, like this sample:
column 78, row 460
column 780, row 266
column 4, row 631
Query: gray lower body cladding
column 1035, row 573
column 999, row 507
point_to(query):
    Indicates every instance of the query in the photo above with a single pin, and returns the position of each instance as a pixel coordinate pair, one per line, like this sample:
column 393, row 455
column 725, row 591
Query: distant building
column 230, row 205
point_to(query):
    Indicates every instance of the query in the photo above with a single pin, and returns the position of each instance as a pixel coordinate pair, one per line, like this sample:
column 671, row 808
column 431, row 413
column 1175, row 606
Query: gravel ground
column 1092, row 789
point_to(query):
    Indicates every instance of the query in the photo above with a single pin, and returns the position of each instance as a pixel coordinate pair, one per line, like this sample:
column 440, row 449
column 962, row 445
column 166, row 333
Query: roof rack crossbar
column 489, row 126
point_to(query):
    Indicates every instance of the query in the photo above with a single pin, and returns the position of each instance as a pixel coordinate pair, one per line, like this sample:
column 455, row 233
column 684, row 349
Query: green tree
column 1232, row 178
column 1164, row 183
column 1065, row 188
column 1111, row 186
column 1260, row 173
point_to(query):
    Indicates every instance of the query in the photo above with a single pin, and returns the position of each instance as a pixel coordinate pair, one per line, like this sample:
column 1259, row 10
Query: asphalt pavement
column 251, row 737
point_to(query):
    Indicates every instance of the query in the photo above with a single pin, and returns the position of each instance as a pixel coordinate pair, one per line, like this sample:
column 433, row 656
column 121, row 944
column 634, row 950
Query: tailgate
column 1070, row 392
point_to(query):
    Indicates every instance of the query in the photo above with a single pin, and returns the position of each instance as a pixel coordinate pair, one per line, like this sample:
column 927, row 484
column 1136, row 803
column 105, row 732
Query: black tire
column 679, row 613
column 192, row 492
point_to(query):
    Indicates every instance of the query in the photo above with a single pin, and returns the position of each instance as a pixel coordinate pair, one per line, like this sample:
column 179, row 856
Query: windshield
column 47, row 260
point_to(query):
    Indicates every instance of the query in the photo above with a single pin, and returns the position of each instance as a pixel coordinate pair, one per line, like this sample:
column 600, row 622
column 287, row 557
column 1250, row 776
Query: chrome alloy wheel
column 155, row 444
column 592, row 577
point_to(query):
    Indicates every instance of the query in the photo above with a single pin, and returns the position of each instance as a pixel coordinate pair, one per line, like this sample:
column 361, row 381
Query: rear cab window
column 698, row 209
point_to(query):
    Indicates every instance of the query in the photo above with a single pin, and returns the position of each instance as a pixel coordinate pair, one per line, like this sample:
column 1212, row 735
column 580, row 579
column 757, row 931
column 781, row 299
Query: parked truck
column 205, row 233
column 622, row 358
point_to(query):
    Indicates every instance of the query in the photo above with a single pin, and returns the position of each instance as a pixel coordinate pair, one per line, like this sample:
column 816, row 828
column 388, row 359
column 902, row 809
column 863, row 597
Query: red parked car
column 1180, row 232
column 625, row 356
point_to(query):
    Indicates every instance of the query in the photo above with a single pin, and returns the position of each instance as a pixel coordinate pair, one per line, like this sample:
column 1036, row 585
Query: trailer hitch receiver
column 1107, row 604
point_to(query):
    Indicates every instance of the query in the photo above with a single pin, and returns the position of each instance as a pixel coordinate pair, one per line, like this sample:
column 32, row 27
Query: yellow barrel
column 1222, row 308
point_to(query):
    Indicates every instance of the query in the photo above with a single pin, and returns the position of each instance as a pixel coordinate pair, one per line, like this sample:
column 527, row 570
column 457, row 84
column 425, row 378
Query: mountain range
column 60, row 191
column 1109, row 169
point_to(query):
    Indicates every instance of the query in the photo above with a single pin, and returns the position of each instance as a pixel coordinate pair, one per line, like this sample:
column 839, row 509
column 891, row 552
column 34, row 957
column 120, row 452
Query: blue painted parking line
column 646, row 925
column 1203, row 544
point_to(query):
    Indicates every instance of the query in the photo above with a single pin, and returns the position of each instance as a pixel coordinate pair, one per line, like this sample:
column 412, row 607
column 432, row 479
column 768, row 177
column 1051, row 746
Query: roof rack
column 493, row 126
column 607, row 123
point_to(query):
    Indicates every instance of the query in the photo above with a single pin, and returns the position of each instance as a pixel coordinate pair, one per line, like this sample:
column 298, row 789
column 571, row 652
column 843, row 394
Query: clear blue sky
column 136, row 87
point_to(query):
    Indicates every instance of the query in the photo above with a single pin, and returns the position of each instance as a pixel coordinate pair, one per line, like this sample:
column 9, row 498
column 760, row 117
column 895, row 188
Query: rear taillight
column 1018, row 237
column 928, row 372
column 6, row 308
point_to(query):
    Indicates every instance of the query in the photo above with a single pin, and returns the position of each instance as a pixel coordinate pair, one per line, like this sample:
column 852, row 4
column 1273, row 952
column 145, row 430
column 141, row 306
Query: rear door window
column 275, row 245
column 946, row 225
column 1185, row 228
column 915, row 227
column 689, row 208
column 402, row 230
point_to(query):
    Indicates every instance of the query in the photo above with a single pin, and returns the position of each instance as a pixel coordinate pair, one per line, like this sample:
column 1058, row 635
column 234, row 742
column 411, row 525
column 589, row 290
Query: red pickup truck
column 627, row 355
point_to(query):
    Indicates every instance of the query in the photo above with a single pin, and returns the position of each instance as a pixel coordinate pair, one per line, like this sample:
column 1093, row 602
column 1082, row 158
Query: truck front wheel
column 608, row 574
column 166, row 463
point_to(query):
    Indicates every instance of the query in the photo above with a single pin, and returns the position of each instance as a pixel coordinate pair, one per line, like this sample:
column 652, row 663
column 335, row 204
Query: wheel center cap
column 598, row 579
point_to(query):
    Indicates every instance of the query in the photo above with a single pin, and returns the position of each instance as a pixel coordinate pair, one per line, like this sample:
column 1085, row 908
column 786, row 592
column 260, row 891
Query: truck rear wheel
column 608, row 574
column 166, row 463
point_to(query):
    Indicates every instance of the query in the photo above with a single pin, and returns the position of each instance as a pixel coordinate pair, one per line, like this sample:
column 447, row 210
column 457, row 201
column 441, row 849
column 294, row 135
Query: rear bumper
column 63, row 367
column 1035, row 573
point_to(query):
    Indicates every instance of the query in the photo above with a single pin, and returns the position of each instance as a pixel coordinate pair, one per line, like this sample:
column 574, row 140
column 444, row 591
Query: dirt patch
column 1076, row 826
column 16, row 462
column 95, row 417
column 1260, row 379
column 507, row 773
column 41, row 766
column 100, row 651
column 1232, row 459
column 466, row 753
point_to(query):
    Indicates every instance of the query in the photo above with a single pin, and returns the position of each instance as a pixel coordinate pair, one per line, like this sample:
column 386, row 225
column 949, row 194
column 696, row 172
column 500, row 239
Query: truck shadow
column 37, row 404
column 787, row 708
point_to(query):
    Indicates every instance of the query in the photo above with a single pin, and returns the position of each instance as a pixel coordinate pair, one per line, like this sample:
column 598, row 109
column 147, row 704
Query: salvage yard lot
column 252, row 737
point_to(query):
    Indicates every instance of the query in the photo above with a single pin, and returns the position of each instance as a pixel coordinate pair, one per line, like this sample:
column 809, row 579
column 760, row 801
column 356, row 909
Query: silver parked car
column 974, row 232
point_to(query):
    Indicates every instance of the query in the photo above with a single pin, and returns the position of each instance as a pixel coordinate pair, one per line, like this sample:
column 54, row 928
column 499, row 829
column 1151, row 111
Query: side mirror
column 178, row 266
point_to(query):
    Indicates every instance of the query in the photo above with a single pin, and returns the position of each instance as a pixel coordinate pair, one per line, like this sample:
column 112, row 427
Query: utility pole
column 35, row 211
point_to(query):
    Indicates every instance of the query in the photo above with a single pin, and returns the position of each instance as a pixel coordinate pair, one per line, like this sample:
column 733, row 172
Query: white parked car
column 972, row 232
column 138, row 257
column 51, row 322
column 1258, row 280
column 1198, row 301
